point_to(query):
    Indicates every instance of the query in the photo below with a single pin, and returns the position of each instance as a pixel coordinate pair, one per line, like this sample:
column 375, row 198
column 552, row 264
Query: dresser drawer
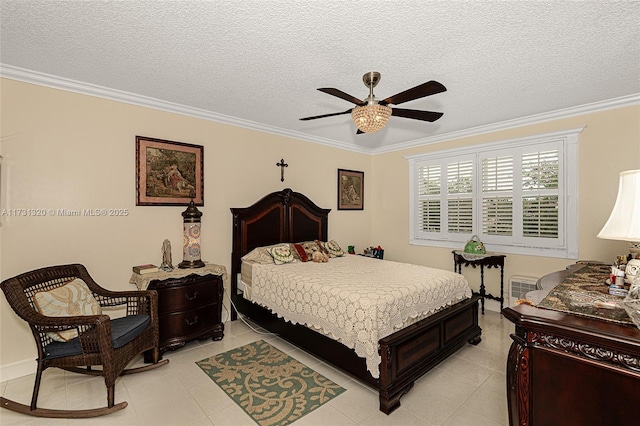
column 187, row 295
column 187, row 323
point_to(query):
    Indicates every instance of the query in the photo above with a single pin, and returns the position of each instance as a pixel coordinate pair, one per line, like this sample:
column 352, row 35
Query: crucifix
column 282, row 165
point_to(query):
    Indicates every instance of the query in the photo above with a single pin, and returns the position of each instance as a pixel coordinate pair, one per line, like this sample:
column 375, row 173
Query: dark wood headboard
column 280, row 217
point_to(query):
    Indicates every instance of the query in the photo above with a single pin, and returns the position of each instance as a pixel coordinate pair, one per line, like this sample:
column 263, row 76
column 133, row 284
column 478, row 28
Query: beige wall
column 68, row 151
column 71, row 151
column 609, row 144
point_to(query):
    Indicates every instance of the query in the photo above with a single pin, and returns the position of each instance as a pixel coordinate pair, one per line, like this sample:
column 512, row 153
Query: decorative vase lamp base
column 191, row 248
column 186, row 264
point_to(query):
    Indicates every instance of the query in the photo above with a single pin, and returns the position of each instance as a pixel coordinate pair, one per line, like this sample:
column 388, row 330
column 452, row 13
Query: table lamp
column 191, row 246
column 624, row 224
column 624, row 221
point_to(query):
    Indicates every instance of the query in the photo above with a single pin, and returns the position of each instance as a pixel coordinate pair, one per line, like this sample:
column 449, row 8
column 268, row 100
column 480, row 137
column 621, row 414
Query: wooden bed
column 288, row 216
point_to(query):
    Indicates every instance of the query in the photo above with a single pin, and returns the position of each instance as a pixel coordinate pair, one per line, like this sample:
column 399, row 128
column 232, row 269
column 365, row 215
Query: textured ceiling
column 258, row 63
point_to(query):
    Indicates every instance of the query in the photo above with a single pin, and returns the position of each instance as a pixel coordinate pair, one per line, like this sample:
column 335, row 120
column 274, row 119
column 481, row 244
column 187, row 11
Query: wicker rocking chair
column 95, row 340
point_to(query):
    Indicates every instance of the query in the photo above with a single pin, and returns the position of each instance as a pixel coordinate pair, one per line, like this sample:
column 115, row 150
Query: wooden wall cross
column 282, row 165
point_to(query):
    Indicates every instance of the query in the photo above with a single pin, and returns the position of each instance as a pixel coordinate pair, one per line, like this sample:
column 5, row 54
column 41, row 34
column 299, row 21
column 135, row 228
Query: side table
column 189, row 303
column 489, row 260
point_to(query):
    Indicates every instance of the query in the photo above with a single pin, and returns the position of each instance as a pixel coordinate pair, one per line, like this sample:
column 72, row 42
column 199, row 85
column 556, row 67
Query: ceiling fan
column 372, row 115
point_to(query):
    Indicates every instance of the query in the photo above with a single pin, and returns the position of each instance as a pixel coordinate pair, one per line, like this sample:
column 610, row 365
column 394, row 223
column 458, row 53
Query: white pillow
column 259, row 255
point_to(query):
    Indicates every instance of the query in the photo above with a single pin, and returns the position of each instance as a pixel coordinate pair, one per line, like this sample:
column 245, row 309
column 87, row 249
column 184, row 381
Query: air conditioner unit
column 519, row 286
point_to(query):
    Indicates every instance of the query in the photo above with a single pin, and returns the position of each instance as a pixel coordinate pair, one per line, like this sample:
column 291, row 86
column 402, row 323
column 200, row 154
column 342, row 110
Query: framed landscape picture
column 168, row 173
column 350, row 190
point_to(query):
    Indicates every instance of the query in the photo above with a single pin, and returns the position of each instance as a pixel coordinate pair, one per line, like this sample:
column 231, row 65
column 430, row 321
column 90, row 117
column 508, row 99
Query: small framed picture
column 350, row 190
column 168, row 173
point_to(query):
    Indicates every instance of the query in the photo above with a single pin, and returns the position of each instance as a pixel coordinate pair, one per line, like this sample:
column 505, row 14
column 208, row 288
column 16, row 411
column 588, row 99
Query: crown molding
column 43, row 79
column 620, row 102
column 55, row 82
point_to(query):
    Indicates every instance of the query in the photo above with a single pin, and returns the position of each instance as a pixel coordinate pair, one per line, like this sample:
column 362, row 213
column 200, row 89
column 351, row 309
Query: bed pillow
column 69, row 300
column 309, row 247
column 281, row 254
column 321, row 246
column 300, row 253
column 334, row 249
column 259, row 255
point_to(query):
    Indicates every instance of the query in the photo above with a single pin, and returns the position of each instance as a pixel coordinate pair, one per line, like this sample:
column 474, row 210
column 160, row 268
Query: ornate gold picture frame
column 168, row 173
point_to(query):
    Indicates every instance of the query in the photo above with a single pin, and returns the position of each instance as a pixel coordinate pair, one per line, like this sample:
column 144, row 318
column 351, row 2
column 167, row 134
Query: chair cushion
column 123, row 330
column 69, row 300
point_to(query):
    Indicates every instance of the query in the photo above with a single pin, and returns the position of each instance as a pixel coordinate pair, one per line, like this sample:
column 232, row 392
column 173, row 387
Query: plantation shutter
column 540, row 196
column 460, row 197
column 497, row 195
column 429, row 185
column 518, row 196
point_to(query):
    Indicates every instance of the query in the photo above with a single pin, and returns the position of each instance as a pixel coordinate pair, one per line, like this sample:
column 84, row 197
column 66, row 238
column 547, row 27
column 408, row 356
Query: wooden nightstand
column 189, row 303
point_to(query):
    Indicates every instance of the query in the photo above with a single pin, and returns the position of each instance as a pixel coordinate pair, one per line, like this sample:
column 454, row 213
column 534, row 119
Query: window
column 517, row 196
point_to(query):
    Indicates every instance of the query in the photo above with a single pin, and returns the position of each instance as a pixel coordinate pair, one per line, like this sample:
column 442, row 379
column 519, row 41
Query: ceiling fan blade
column 326, row 115
column 416, row 114
column 340, row 94
column 425, row 89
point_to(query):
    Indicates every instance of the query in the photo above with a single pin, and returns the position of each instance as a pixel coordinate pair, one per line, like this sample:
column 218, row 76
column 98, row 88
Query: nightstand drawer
column 187, row 295
column 187, row 323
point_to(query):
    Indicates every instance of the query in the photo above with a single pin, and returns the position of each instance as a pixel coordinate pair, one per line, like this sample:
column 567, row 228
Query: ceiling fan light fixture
column 371, row 115
column 371, row 118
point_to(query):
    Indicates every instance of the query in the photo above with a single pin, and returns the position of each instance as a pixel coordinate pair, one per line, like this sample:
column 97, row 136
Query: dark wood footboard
column 411, row 352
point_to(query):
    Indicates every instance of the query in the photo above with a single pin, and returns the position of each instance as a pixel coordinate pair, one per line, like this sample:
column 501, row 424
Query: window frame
column 566, row 245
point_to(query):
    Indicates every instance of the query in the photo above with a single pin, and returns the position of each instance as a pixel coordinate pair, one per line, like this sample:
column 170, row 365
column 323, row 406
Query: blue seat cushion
column 123, row 330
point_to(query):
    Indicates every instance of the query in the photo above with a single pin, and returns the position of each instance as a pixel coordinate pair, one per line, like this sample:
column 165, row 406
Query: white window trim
column 569, row 142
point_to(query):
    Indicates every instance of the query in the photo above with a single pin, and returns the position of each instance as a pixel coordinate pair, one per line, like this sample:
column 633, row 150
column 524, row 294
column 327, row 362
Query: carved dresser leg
column 518, row 382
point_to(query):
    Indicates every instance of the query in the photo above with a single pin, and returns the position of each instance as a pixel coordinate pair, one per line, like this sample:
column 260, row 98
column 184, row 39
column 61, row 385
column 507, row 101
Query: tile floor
column 469, row 388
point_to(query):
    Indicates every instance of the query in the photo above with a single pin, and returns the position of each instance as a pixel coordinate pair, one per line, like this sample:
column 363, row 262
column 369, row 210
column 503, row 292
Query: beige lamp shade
column 624, row 222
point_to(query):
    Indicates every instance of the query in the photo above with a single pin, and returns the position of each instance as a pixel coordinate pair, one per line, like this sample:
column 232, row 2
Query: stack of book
column 145, row 269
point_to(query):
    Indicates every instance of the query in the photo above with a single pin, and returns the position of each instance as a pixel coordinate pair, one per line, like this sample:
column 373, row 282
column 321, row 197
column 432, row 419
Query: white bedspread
column 354, row 299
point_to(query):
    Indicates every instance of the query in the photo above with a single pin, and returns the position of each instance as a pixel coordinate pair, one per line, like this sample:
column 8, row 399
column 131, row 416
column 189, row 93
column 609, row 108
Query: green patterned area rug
column 270, row 386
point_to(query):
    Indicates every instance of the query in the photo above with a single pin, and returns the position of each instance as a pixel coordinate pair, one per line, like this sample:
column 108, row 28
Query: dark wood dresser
column 189, row 304
column 564, row 369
